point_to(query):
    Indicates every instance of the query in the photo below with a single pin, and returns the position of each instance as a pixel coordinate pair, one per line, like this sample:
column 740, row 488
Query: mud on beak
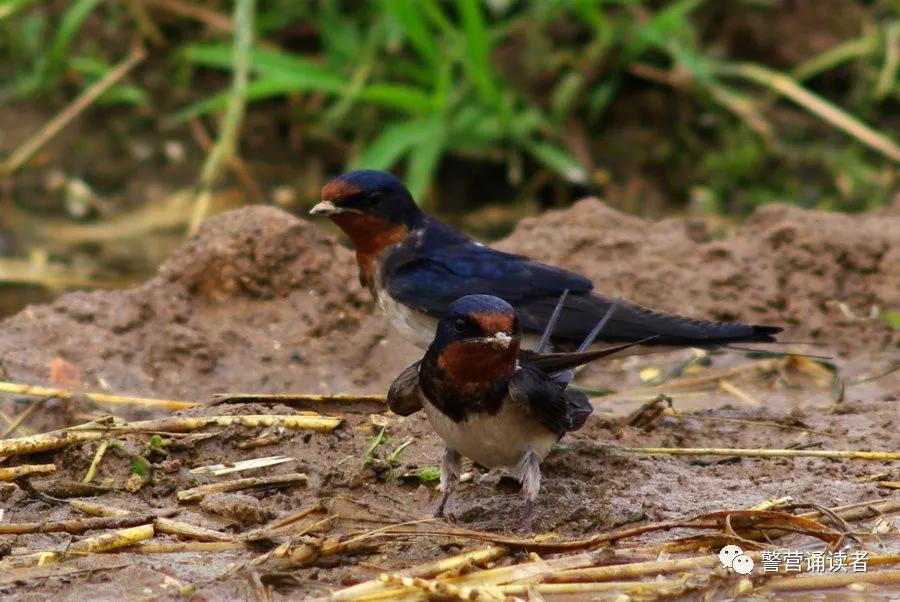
column 325, row 208
column 500, row 340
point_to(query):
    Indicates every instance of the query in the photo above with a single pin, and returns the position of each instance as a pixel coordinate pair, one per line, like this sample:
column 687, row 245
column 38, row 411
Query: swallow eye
column 459, row 326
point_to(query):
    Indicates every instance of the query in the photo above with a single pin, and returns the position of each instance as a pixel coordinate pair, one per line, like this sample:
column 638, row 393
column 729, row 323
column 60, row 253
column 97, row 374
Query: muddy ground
column 261, row 301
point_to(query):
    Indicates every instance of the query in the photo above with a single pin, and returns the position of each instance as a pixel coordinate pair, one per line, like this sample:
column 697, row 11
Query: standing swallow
column 490, row 401
column 416, row 266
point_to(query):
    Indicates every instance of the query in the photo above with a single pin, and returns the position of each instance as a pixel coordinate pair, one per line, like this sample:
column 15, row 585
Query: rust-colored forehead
column 491, row 322
column 337, row 190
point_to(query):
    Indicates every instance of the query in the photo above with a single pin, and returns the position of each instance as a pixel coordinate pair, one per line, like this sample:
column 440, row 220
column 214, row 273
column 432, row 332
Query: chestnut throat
column 370, row 236
column 467, row 377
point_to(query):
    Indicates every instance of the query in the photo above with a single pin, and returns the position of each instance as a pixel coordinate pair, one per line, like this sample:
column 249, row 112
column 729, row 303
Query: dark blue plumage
column 416, row 266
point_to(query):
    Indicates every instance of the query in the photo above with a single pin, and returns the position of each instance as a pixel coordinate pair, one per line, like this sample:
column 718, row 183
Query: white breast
column 498, row 440
column 414, row 326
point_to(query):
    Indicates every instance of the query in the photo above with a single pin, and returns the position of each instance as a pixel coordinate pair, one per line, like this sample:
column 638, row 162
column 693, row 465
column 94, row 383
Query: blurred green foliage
column 410, row 83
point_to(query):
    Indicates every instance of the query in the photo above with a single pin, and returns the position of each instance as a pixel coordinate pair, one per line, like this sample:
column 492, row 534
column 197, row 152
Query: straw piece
column 174, row 527
column 195, row 494
column 26, row 151
column 104, row 542
column 188, row 546
column 474, row 557
column 788, row 87
column 23, row 470
column 59, row 393
column 161, row 524
column 441, row 590
column 535, row 570
column 181, row 424
column 94, row 509
column 784, row 584
column 254, row 464
column 95, row 463
column 77, row 525
column 111, row 541
column 640, row 569
column 666, row 587
column 46, row 442
column 739, row 393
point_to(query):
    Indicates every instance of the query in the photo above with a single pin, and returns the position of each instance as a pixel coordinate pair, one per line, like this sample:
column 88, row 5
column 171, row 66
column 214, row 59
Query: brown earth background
column 261, row 301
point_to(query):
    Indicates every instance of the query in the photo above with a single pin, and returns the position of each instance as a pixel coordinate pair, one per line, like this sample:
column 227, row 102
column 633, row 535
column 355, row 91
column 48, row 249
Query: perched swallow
column 488, row 400
column 416, row 266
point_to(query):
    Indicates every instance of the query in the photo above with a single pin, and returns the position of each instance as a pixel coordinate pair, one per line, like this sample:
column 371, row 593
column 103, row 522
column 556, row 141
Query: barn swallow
column 490, row 401
column 416, row 266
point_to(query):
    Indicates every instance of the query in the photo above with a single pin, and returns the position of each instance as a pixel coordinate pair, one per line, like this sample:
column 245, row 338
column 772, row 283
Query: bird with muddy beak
column 490, row 401
column 416, row 266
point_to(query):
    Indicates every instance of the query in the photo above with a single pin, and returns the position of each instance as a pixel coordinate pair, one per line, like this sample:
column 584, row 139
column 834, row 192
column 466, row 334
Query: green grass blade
column 272, row 63
column 283, row 73
column 425, row 157
column 71, row 22
column 415, row 28
column 788, row 87
column 393, row 143
column 342, row 40
column 663, row 28
column 10, row 7
column 887, row 77
column 396, row 96
column 95, row 69
column 258, row 90
column 473, row 129
column 559, row 161
column 477, row 52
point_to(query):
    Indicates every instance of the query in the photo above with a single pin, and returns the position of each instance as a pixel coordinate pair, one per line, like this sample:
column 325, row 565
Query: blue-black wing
column 559, row 409
column 437, row 265
column 405, row 395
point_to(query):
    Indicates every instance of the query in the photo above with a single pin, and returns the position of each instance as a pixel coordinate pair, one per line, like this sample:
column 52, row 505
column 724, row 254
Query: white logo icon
column 733, row 557
column 742, row 564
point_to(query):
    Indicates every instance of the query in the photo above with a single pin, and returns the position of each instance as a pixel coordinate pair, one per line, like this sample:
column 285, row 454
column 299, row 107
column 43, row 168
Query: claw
column 528, row 517
column 530, row 474
column 450, row 464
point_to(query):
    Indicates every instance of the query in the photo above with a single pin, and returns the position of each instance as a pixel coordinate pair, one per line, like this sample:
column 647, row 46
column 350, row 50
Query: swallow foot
column 528, row 518
column 530, row 474
column 451, row 462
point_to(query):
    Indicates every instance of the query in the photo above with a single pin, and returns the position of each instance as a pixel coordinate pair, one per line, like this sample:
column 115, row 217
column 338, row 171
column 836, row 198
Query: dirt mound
column 257, row 301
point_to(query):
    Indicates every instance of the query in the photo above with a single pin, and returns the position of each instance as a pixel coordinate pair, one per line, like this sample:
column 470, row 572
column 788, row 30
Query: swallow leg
column 451, row 462
column 530, row 475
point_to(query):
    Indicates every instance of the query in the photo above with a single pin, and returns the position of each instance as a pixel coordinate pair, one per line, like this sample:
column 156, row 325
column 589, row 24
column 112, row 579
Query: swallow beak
column 500, row 340
column 325, row 208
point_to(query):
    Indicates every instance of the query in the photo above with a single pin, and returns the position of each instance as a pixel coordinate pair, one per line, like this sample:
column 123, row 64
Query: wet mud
column 264, row 302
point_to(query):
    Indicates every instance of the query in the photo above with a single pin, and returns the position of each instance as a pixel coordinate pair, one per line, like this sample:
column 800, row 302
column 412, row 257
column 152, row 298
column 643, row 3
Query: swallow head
column 369, row 192
column 373, row 208
column 477, row 340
